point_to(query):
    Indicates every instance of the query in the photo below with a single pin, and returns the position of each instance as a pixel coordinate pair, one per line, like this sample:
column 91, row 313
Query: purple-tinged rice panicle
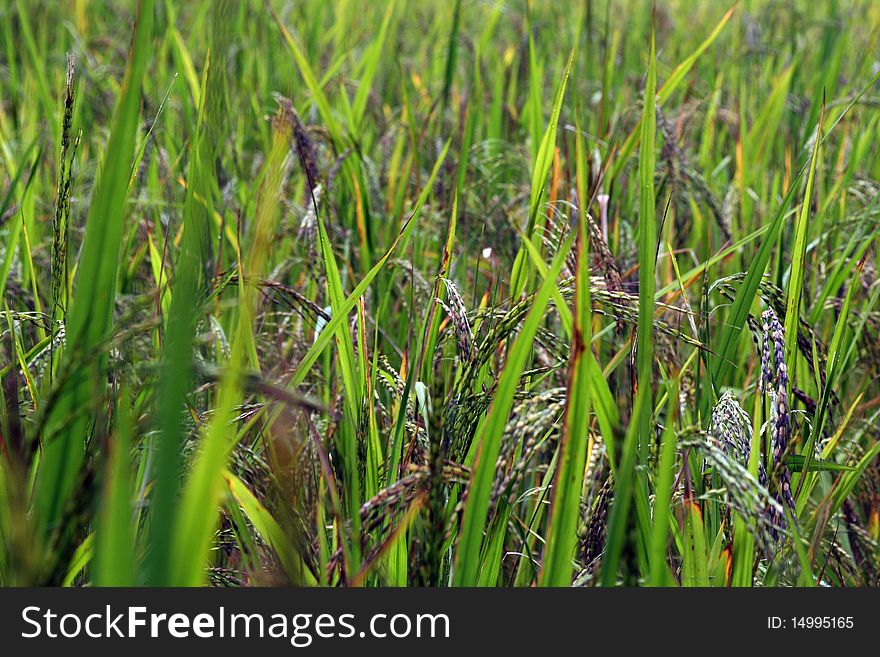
column 392, row 499
column 531, row 420
column 593, row 539
column 744, row 493
column 731, row 428
column 774, row 382
column 809, row 342
column 731, row 435
column 457, row 311
column 301, row 141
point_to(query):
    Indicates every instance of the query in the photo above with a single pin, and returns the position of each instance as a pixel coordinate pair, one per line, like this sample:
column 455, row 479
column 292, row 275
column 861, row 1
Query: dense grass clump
column 439, row 293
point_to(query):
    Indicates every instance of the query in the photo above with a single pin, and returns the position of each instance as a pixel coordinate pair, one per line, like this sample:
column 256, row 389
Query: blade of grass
column 795, row 288
column 467, row 555
column 561, row 534
column 177, row 374
column 270, row 530
column 196, row 517
column 635, row 448
column 114, row 538
column 89, row 318
column 520, row 274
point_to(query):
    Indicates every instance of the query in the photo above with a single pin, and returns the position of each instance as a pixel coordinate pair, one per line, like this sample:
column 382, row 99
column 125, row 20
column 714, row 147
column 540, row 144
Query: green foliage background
column 439, row 293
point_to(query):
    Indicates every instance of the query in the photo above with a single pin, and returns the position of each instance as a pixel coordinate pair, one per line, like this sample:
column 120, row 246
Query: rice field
column 421, row 293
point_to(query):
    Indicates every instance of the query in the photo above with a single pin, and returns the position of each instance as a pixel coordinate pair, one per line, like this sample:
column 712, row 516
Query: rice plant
column 408, row 294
